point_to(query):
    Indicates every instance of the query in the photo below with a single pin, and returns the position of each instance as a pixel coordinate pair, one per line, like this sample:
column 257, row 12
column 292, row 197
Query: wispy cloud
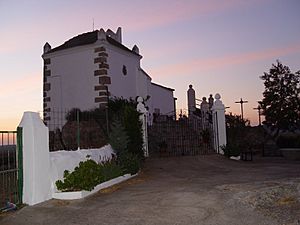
column 169, row 12
column 195, row 65
column 25, row 84
column 135, row 16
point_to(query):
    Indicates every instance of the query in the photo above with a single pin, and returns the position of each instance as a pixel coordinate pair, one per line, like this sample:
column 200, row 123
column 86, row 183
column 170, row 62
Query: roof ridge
column 86, row 39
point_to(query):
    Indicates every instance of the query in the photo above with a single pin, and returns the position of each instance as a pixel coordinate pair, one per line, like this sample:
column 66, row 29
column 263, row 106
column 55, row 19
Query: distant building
column 87, row 69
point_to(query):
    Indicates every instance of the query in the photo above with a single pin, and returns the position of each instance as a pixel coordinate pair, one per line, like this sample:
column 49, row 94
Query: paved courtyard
column 184, row 190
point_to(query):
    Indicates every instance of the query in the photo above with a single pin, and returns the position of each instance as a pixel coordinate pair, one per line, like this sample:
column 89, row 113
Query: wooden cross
column 242, row 108
column 259, row 114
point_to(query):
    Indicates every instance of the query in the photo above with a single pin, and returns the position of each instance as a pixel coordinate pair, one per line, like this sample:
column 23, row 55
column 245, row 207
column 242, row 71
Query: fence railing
column 184, row 136
column 10, row 167
column 71, row 130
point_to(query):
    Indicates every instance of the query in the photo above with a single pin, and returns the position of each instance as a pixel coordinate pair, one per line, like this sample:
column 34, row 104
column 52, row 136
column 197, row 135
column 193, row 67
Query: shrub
column 110, row 170
column 84, row 177
column 231, row 150
column 133, row 128
column 118, row 137
column 88, row 175
column 288, row 140
column 129, row 162
column 125, row 111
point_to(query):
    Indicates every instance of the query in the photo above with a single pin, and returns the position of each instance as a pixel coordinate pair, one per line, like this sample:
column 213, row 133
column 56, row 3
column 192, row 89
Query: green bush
column 288, row 140
column 129, row 162
column 110, row 170
column 125, row 111
column 84, row 177
column 231, row 150
column 88, row 175
column 118, row 137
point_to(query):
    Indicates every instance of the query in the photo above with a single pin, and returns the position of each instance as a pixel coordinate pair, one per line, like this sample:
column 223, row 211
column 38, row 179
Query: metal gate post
column 20, row 162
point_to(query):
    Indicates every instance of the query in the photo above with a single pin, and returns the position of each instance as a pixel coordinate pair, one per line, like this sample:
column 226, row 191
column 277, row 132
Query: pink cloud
column 24, row 84
column 169, row 12
column 195, row 65
column 140, row 15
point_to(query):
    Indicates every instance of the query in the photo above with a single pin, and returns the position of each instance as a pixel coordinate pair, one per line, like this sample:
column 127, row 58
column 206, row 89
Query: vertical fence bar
column 78, row 129
column 8, row 168
column 107, row 120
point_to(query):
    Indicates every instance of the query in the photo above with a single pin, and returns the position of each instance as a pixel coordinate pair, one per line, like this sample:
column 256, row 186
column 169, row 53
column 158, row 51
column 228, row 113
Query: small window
column 124, row 70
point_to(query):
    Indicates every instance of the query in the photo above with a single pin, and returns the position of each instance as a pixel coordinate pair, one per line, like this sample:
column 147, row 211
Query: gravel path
column 185, row 190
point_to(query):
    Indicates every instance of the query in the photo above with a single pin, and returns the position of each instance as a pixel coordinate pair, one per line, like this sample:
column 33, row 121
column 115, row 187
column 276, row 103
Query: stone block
column 104, row 54
column 100, row 60
column 102, row 93
column 100, row 72
column 103, row 66
column 104, row 80
column 100, row 88
column 47, row 86
column 101, row 99
column 47, row 99
column 100, row 49
column 47, row 61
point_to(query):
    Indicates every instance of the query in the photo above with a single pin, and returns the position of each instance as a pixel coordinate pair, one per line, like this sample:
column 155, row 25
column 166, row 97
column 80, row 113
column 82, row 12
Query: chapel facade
column 88, row 69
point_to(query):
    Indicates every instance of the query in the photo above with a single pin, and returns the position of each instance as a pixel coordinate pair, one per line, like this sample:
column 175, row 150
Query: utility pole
column 259, row 114
column 242, row 108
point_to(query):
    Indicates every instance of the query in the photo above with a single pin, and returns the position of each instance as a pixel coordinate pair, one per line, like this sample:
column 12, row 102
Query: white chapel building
column 87, row 69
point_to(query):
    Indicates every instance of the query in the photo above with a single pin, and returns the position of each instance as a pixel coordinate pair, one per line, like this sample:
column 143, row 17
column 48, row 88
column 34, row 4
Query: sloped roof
column 86, row 39
column 145, row 73
column 158, row 85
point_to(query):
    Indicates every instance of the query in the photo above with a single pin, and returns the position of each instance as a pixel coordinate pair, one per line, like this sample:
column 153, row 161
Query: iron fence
column 179, row 137
column 75, row 129
column 11, row 175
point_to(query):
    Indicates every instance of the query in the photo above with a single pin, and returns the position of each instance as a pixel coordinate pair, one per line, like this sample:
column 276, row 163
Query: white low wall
column 36, row 164
column 68, row 160
column 42, row 169
column 82, row 194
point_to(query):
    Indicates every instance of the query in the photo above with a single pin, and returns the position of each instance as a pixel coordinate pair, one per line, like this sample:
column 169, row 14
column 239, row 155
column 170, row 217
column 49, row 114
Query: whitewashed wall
column 161, row 98
column 122, row 85
column 36, row 163
column 42, row 169
column 68, row 160
column 143, row 84
column 72, row 79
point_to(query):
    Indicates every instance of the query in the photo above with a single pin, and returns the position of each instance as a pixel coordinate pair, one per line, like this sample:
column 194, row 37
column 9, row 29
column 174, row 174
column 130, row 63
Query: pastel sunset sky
column 215, row 45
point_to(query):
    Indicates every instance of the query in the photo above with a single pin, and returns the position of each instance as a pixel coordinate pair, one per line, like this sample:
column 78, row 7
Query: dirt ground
column 185, row 190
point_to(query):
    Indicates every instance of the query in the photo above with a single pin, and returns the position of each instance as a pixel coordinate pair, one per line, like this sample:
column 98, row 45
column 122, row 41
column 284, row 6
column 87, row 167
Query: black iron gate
column 179, row 137
column 11, row 173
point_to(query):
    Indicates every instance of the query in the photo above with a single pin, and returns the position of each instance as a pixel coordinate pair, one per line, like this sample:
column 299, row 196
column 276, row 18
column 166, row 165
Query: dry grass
column 58, row 203
column 136, row 180
column 287, row 201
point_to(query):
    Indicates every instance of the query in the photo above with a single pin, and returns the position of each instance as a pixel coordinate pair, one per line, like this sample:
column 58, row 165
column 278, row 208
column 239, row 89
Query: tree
column 236, row 129
column 235, row 121
column 125, row 111
column 118, row 137
column 281, row 98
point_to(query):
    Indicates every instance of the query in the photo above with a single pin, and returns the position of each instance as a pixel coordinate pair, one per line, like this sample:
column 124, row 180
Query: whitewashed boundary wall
column 68, row 160
column 36, row 163
column 42, row 169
